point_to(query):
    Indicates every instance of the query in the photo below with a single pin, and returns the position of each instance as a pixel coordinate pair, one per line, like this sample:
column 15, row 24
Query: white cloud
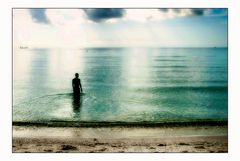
column 22, row 17
column 143, row 15
column 174, row 12
column 61, row 17
column 65, row 29
column 72, row 28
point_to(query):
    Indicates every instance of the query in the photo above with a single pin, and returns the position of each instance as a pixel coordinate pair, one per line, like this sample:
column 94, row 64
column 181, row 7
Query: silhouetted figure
column 77, row 87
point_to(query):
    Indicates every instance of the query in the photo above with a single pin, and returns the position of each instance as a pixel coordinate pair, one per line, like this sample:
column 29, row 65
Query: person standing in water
column 77, row 87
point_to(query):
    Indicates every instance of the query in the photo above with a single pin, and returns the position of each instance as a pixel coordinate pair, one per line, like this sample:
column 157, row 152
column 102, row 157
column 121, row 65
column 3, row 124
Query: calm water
column 121, row 84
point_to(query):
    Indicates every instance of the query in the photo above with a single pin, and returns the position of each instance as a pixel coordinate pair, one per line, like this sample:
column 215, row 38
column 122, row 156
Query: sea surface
column 121, row 84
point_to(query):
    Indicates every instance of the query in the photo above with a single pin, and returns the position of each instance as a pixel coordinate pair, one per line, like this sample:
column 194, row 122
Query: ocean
column 121, row 85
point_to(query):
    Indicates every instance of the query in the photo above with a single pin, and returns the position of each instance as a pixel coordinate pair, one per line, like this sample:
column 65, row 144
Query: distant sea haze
column 121, row 84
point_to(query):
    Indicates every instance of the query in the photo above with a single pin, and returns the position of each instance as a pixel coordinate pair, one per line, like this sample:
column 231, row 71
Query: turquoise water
column 121, row 84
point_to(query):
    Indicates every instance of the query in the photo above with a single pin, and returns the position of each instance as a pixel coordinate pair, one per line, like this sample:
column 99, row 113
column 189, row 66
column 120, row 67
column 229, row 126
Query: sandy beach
column 201, row 139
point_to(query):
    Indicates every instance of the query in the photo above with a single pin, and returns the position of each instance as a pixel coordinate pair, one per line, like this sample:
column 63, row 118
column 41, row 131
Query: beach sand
column 200, row 139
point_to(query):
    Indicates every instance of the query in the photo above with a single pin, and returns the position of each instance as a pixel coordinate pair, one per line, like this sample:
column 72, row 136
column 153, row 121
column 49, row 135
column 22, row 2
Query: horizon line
column 89, row 47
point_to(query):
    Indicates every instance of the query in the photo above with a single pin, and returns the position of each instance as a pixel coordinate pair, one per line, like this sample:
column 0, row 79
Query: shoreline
column 174, row 139
column 119, row 123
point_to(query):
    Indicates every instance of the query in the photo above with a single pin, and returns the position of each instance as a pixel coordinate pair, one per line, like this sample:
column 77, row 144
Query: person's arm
column 73, row 85
column 80, row 86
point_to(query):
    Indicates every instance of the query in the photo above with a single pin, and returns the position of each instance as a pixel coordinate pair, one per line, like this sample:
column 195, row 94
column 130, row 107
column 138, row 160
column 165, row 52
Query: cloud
column 39, row 15
column 65, row 17
column 144, row 15
column 194, row 11
column 101, row 15
column 163, row 9
column 191, row 12
column 197, row 12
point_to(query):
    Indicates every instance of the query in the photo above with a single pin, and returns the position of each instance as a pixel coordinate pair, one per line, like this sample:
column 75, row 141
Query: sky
column 117, row 27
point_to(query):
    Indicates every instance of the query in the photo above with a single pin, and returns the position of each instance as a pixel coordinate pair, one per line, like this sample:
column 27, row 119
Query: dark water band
column 120, row 124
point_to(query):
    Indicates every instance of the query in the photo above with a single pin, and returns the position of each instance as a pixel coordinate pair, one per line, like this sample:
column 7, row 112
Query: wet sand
column 203, row 139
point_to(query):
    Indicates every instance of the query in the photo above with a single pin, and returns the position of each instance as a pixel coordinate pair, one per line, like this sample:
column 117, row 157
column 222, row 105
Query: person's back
column 77, row 87
column 76, row 83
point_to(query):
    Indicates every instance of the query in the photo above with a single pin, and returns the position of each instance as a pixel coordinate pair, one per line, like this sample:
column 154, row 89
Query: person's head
column 76, row 75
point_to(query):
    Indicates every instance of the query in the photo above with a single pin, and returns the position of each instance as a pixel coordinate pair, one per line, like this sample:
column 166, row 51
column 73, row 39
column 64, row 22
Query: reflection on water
column 121, row 84
column 76, row 106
